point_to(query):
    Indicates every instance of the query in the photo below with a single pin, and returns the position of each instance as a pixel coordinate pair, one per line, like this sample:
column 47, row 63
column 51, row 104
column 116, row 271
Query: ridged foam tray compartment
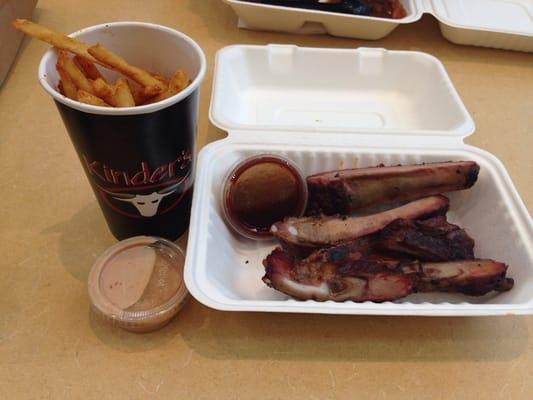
column 223, row 270
column 506, row 24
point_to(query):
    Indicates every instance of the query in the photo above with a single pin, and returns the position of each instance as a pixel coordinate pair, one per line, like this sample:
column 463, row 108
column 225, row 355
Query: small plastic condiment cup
column 232, row 178
column 137, row 284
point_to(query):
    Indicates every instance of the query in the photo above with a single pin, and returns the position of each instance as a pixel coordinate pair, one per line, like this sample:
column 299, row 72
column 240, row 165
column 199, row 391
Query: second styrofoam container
column 290, row 19
column 506, row 24
column 373, row 106
column 503, row 24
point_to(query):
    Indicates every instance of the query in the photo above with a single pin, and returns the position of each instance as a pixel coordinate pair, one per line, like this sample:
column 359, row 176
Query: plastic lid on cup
column 137, row 284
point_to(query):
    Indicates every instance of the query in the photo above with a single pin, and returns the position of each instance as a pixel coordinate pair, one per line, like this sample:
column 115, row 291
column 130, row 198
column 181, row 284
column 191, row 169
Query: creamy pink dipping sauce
column 138, row 283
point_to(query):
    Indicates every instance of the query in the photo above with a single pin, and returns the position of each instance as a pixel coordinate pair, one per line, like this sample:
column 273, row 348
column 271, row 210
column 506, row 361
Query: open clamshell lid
column 504, row 16
column 284, row 88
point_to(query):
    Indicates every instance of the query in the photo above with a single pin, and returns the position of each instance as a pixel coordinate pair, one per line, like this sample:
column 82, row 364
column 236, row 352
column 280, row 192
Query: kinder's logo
column 143, row 193
column 146, row 204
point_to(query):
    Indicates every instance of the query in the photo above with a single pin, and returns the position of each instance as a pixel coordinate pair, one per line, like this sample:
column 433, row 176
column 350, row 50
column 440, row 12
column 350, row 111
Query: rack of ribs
column 368, row 255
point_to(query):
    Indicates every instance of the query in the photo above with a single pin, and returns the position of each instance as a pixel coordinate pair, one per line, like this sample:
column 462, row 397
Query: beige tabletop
column 51, row 230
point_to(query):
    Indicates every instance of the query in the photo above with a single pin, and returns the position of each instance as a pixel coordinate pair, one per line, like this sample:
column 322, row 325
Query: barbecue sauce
column 261, row 191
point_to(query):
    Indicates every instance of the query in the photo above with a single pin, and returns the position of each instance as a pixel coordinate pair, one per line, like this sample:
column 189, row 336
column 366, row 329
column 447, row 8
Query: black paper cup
column 139, row 160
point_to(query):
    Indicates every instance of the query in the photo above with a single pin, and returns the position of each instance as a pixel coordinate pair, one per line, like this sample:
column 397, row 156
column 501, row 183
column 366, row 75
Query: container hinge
column 425, row 6
column 343, row 139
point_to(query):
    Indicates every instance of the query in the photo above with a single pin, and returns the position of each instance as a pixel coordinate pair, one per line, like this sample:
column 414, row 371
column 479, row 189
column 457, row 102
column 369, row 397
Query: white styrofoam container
column 506, row 24
column 372, row 106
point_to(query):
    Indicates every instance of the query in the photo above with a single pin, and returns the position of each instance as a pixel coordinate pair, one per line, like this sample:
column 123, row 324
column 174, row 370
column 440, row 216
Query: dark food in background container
column 373, row 8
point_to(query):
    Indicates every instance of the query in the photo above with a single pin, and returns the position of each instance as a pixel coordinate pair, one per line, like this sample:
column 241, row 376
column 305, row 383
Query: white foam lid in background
column 514, row 16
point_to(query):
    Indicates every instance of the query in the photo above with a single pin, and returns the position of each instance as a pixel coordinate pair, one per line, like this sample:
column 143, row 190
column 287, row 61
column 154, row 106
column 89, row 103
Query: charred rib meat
column 345, row 191
column 379, row 280
column 328, row 282
column 431, row 240
column 328, row 231
column 387, row 255
column 471, row 277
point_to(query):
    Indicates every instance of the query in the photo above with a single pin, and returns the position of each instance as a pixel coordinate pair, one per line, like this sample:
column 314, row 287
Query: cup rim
column 137, row 110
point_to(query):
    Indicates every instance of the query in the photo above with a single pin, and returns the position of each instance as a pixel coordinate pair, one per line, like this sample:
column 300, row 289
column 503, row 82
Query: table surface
column 51, row 231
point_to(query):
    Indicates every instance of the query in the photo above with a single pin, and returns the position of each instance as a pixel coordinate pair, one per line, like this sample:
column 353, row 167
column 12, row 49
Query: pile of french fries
column 81, row 80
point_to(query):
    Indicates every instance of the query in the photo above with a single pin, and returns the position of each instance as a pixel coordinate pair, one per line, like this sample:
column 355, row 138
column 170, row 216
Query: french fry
column 81, row 80
column 71, row 69
column 88, row 68
column 161, row 78
column 104, row 90
column 118, row 95
column 67, row 84
column 177, row 83
column 151, row 85
column 56, row 39
column 88, row 98
column 67, row 88
column 123, row 96
column 138, row 93
column 179, row 80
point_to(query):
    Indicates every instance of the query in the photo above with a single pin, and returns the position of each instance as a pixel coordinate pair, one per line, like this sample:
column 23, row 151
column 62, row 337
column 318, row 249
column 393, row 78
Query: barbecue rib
column 349, row 190
column 328, row 282
column 471, row 277
column 379, row 280
column 313, row 232
column 431, row 240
